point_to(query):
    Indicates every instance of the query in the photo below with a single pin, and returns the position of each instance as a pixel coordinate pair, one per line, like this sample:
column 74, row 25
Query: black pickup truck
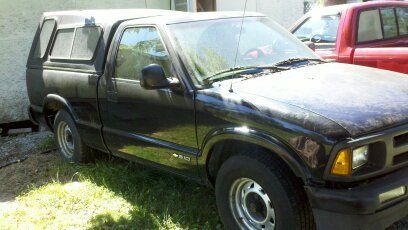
column 288, row 141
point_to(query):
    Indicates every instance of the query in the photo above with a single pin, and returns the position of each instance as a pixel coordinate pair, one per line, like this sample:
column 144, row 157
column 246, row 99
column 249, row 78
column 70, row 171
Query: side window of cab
column 389, row 23
column 139, row 47
column 402, row 18
column 381, row 24
column 369, row 26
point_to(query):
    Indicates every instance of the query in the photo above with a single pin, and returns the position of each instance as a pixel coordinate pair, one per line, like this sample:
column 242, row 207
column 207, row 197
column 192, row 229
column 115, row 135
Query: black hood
column 360, row 99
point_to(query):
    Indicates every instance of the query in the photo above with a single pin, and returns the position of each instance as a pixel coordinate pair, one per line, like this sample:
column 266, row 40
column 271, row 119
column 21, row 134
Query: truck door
column 153, row 126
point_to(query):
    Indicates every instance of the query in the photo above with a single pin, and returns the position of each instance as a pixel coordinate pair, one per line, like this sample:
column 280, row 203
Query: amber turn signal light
column 342, row 165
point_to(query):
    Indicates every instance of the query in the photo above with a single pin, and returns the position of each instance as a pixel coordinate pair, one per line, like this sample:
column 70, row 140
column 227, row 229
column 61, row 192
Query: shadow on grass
column 158, row 199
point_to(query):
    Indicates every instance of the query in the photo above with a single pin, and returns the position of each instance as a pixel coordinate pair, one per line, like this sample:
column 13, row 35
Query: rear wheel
column 70, row 145
column 258, row 191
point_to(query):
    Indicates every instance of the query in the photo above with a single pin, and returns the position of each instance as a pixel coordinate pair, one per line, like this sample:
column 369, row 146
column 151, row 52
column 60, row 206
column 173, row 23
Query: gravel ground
column 17, row 147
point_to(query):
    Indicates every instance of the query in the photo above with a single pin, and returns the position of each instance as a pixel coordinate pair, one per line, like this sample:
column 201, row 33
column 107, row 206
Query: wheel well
column 51, row 109
column 223, row 150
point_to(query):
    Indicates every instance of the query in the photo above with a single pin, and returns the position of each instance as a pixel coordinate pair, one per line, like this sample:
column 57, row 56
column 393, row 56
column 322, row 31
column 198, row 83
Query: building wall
column 18, row 22
column 284, row 12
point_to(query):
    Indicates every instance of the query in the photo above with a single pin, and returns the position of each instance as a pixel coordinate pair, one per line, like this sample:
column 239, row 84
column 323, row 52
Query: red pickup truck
column 372, row 34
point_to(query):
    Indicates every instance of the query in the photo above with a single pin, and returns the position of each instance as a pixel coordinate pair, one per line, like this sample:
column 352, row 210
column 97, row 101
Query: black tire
column 282, row 187
column 78, row 151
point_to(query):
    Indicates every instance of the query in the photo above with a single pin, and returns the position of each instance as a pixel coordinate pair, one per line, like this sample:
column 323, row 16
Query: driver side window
column 139, row 47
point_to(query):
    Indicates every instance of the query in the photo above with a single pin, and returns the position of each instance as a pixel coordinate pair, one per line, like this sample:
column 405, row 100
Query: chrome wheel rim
column 65, row 139
column 251, row 206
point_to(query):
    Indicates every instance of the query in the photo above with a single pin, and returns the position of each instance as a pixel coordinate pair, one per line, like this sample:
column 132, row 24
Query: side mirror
column 310, row 44
column 153, row 77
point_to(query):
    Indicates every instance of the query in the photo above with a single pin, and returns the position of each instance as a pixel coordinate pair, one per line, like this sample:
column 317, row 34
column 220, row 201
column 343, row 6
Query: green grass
column 113, row 194
column 47, row 144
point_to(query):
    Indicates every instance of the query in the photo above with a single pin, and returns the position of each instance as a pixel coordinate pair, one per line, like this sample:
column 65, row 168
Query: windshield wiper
column 291, row 61
column 210, row 79
column 226, row 74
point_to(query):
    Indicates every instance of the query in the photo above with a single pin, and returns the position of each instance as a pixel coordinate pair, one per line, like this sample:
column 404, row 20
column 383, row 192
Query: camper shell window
column 76, row 43
column 43, row 41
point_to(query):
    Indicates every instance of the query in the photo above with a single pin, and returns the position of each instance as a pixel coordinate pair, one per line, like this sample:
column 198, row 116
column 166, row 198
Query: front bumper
column 360, row 207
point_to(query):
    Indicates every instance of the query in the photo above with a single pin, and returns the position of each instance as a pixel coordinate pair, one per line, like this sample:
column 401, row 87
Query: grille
column 400, row 158
column 401, row 140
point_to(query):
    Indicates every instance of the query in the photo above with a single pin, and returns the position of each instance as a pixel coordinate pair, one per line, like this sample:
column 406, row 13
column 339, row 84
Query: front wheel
column 70, row 145
column 258, row 191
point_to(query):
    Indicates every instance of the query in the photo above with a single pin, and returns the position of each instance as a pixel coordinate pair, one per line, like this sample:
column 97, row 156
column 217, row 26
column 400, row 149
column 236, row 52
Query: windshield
column 210, row 46
column 322, row 30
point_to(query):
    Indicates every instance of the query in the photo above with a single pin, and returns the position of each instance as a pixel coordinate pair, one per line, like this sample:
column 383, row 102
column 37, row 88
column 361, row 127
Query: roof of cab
column 112, row 16
column 200, row 16
column 331, row 10
column 104, row 16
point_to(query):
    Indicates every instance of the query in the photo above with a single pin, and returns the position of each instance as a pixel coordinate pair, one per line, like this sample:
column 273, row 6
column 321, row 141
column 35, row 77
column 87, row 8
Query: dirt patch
column 34, row 171
column 17, row 147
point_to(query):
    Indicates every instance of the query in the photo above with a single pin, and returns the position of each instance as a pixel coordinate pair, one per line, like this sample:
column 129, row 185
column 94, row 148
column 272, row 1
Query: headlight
column 347, row 160
column 360, row 157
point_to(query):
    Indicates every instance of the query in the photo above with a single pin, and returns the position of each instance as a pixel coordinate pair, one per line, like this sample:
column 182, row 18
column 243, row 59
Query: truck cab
column 287, row 139
column 372, row 34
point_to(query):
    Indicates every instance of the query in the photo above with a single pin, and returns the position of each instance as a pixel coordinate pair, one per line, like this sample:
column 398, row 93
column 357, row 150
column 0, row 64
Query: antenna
column 239, row 40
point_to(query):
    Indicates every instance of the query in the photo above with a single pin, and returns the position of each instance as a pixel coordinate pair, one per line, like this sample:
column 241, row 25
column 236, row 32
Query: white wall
column 18, row 22
column 285, row 12
column 235, row 5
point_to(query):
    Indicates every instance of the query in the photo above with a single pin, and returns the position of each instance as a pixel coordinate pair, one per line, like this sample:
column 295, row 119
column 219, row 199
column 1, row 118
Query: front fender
column 255, row 137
